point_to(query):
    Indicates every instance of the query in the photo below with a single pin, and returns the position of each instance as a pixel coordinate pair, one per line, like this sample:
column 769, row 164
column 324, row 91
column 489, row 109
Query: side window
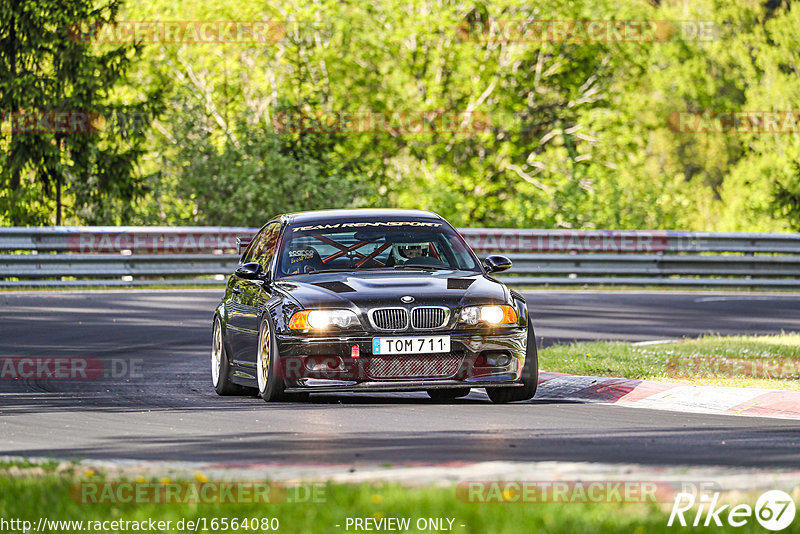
column 265, row 248
column 248, row 255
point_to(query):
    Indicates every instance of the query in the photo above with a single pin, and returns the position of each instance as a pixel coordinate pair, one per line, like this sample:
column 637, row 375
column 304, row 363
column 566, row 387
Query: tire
column 270, row 385
column 221, row 370
column 530, row 376
column 444, row 395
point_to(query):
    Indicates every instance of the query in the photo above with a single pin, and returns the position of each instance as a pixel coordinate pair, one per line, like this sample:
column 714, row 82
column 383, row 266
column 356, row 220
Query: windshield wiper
column 421, row 267
column 341, row 270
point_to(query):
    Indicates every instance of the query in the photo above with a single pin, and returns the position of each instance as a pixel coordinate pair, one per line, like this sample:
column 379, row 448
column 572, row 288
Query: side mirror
column 495, row 264
column 251, row 271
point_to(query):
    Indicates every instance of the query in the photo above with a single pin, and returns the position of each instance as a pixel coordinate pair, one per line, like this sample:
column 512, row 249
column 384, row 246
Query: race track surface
column 167, row 410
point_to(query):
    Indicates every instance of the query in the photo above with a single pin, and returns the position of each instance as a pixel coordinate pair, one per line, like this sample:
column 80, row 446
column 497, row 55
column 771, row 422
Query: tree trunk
column 12, row 64
column 58, row 200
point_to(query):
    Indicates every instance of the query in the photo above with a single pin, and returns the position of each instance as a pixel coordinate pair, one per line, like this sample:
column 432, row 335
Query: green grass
column 553, row 287
column 46, row 465
column 100, row 287
column 30, row 498
column 740, row 361
column 650, row 288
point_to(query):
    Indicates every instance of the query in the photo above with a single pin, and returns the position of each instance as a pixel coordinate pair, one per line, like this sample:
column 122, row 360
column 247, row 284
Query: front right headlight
column 492, row 314
column 322, row 319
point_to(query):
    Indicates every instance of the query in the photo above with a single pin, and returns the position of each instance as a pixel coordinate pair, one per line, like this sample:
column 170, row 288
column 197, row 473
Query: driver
column 402, row 252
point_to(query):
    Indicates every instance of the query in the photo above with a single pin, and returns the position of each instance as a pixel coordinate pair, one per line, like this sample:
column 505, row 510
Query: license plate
column 410, row 345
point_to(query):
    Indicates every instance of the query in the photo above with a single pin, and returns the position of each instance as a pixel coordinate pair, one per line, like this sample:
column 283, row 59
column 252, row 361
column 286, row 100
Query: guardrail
column 114, row 256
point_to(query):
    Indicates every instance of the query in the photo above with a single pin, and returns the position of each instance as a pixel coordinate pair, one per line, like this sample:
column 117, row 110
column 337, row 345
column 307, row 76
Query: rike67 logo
column 774, row 510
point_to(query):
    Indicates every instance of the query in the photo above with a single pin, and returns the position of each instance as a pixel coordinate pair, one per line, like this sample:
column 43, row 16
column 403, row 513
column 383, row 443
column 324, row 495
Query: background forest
column 573, row 133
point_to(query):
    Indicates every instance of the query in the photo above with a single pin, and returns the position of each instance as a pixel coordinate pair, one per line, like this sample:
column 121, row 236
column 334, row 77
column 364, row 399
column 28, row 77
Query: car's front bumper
column 314, row 363
column 330, row 386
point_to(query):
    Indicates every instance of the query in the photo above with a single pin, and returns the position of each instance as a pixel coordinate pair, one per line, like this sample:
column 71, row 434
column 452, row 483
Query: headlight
column 322, row 319
column 503, row 314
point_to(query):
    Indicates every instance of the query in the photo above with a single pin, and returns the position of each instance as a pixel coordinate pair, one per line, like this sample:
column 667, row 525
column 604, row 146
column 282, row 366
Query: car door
column 236, row 307
column 251, row 297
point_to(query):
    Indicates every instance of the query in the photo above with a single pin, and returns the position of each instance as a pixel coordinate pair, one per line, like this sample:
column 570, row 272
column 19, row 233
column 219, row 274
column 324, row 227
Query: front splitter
column 421, row 385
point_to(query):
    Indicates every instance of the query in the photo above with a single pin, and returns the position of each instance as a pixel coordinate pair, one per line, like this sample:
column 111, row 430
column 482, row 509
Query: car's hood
column 378, row 289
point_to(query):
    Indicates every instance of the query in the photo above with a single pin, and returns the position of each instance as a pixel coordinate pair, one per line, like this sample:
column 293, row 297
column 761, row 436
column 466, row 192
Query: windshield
column 353, row 245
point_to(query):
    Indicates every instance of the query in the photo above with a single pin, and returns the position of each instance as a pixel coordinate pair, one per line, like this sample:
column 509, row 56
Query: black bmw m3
column 370, row 300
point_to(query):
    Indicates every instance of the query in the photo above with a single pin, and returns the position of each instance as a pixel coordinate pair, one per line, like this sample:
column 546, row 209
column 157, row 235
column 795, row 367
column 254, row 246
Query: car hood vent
column 335, row 286
column 459, row 283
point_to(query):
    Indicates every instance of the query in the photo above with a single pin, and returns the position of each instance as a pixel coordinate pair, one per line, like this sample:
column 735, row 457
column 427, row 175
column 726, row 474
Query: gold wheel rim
column 216, row 354
column 264, row 356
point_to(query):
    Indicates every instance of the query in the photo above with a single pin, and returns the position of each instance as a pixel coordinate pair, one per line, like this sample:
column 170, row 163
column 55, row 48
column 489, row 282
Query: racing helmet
column 403, row 252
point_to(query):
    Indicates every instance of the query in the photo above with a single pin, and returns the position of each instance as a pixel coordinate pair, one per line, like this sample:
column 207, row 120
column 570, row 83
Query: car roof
column 350, row 214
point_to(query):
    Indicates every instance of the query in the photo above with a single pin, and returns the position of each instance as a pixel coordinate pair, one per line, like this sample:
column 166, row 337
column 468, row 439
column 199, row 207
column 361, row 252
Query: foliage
column 771, row 362
column 333, row 504
column 578, row 134
column 47, row 70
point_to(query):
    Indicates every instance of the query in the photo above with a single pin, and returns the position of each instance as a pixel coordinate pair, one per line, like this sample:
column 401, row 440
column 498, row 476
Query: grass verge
column 744, row 289
column 49, row 496
column 140, row 287
column 546, row 288
column 771, row 362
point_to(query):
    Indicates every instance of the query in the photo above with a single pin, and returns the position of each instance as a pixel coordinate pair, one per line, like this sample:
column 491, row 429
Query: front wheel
column 530, row 376
column 270, row 387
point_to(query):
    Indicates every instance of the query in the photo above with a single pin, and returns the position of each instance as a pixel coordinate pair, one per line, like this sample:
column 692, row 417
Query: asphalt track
column 167, row 410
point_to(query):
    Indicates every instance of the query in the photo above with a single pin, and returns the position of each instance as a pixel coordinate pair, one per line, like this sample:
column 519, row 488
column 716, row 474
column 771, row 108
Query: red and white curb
column 674, row 397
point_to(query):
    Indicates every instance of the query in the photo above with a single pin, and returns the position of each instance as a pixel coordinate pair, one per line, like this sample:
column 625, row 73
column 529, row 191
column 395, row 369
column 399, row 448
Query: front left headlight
column 493, row 315
column 322, row 319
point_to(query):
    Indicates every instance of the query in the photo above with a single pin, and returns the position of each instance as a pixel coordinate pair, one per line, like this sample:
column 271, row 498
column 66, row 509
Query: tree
column 66, row 129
